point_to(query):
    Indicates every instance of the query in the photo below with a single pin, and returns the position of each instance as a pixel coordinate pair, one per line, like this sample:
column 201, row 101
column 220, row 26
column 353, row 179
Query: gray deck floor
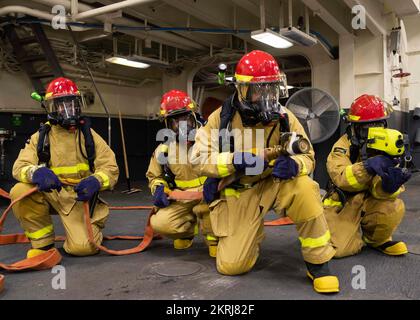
column 279, row 273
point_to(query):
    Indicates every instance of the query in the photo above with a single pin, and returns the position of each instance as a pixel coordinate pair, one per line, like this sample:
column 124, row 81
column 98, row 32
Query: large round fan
column 317, row 111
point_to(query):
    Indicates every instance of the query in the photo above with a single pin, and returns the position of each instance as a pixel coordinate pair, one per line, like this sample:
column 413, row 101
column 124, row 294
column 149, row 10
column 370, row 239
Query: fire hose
column 52, row 257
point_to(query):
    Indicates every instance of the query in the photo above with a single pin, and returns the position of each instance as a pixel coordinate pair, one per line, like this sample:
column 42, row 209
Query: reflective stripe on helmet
column 353, row 117
column 241, row 78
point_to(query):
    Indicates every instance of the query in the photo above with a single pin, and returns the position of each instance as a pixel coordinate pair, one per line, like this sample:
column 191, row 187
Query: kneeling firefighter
column 169, row 169
column 362, row 204
column 69, row 163
column 237, row 212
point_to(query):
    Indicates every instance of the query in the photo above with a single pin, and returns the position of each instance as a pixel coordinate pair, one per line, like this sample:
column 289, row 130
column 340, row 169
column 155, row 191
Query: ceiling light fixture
column 126, row 61
column 271, row 38
column 298, row 37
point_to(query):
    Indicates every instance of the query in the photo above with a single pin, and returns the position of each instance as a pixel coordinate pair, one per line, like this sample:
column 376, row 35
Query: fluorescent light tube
column 128, row 63
column 271, row 38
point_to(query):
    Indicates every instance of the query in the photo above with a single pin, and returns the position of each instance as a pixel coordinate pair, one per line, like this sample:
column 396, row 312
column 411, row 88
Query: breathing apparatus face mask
column 259, row 102
column 66, row 111
column 184, row 126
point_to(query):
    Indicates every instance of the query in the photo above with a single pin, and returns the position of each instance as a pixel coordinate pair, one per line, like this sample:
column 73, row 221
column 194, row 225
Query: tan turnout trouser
column 238, row 220
column 363, row 219
column 34, row 215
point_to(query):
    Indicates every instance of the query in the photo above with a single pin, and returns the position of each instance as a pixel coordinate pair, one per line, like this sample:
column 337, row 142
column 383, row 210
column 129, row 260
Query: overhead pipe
column 122, row 28
column 109, row 8
column 170, row 39
column 325, row 43
column 28, row 11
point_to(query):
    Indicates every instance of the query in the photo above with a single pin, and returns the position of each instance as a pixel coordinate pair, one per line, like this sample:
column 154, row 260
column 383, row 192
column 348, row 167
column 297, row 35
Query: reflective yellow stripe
column 157, row 182
column 353, row 117
column 332, row 203
column 24, row 174
column 229, row 192
column 184, row 184
column 40, row 233
column 105, row 179
column 242, row 78
column 196, row 229
column 397, row 193
column 351, row 179
column 163, row 148
column 315, row 242
column 303, row 169
column 366, row 240
column 211, row 238
column 71, row 170
column 222, row 162
column 391, row 196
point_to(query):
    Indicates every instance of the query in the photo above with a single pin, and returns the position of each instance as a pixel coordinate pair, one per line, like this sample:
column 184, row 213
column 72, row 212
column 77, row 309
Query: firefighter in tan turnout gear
column 69, row 163
column 362, row 205
column 237, row 212
column 169, row 169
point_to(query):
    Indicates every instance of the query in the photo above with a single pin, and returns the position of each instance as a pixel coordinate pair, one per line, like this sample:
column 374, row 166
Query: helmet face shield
column 259, row 97
column 67, row 110
column 260, row 100
column 182, row 125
